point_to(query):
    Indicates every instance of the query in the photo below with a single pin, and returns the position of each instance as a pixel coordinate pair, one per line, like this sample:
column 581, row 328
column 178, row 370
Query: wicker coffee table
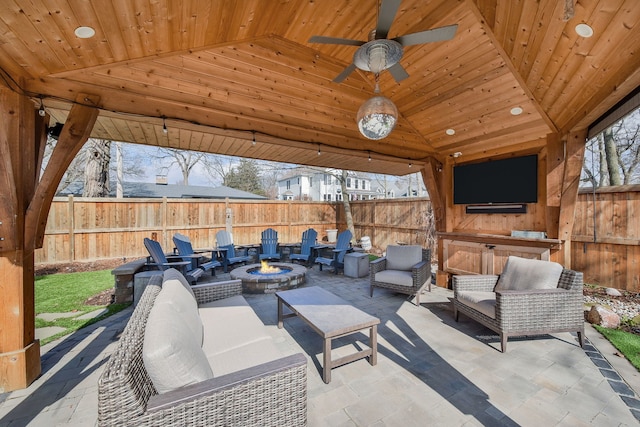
column 331, row 317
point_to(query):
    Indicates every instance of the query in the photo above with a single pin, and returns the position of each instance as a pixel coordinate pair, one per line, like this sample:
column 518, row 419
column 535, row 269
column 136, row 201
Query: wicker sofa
column 149, row 380
column 530, row 297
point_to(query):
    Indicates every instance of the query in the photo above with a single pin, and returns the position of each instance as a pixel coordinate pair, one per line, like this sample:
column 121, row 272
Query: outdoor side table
column 356, row 264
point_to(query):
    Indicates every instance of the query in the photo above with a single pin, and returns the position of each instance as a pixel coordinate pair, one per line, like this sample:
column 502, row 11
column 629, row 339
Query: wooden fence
column 606, row 236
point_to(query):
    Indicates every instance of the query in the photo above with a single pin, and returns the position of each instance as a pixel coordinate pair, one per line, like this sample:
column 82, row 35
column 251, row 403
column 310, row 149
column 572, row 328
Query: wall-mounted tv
column 513, row 180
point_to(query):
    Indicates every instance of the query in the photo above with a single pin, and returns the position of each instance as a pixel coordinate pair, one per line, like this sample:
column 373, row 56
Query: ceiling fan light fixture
column 377, row 117
column 377, row 55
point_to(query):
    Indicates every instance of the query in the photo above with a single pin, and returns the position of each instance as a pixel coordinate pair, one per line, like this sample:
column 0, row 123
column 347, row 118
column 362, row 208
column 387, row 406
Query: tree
column 96, row 171
column 185, row 160
column 246, row 177
column 613, row 156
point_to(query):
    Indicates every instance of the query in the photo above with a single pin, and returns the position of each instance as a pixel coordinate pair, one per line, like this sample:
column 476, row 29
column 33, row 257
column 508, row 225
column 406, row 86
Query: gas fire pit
column 269, row 278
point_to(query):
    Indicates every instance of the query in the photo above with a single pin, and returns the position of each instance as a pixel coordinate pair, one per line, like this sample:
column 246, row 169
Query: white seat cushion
column 396, row 277
column 246, row 356
column 230, row 323
column 172, row 358
column 484, row 302
column 520, row 274
column 403, row 257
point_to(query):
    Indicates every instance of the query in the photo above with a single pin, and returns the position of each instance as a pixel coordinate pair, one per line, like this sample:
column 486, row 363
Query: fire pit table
column 255, row 280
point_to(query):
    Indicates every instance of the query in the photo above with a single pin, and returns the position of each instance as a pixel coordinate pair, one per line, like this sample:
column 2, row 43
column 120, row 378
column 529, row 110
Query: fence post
column 164, row 222
column 72, row 227
column 228, row 220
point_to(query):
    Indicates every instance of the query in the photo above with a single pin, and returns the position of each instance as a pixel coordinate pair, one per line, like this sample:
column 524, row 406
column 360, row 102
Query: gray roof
column 172, row 191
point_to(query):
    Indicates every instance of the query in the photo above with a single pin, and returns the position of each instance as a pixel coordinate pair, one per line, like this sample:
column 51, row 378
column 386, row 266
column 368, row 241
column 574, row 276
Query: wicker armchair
column 405, row 269
column 525, row 311
column 270, row 394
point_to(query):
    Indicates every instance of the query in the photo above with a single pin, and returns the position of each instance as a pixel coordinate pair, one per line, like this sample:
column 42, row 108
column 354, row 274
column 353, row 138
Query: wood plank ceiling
column 220, row 73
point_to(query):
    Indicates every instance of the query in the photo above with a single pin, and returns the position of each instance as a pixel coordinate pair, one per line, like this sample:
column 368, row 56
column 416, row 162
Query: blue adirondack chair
column 224, row 240
column 342, row 247
column 185, row 249
column 269, row 245
column 309, row 238
column 162, row 262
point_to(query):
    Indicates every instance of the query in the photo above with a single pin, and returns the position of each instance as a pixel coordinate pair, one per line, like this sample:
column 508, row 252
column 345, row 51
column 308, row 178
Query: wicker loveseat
column 530, row 297
column 267, row 390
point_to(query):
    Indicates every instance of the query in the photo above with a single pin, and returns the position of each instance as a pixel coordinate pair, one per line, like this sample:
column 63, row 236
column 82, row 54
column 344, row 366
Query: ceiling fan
column 380, row 53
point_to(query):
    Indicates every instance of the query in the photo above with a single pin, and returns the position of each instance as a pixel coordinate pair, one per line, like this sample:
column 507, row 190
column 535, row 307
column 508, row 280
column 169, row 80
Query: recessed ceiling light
column 450, row 131
column 516, row 111
column 583, row 30
column 85, row 32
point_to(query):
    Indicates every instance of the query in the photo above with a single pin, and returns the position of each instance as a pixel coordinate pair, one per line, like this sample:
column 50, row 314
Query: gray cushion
column 172, row 358
column 403, row 257
column 247, row 356
column 173, row 274
column 230, row 323
column 520, row 274
column 175, row 293
column 484, row 302
column 396, row 277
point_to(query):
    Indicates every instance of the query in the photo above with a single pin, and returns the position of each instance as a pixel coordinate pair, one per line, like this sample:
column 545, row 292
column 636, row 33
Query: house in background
column 172, row 191
column 315, row 185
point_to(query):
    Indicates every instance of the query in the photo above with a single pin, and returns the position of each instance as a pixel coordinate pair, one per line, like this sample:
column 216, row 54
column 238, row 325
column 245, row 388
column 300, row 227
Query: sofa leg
column 456, row 314
column 581, row 338
column 503, row 342
column 371, row 291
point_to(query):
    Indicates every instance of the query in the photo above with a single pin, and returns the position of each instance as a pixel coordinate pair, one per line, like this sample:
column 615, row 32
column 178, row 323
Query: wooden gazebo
column 221, row 75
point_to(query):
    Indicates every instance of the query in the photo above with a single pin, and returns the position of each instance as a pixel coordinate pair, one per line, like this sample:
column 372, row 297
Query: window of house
column 288, row 185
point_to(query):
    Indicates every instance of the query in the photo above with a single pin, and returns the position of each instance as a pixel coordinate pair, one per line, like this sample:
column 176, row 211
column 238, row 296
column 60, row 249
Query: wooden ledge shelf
column 466, row 253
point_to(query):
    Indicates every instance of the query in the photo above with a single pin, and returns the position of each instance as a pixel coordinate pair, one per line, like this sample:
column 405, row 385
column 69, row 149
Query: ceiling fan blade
column 335, row 40
column 345, row 73
column 434, row 35
column 386, row 14
column 398, row 72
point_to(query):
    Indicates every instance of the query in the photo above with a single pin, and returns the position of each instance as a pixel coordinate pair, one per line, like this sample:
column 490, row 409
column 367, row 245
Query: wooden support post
column 25, row 199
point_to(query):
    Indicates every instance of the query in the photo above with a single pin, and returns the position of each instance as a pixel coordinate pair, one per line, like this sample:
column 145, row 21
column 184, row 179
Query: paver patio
column 430, row 371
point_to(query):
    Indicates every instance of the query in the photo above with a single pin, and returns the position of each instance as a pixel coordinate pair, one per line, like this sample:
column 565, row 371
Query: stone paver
column 48, row 331
column 431, row 371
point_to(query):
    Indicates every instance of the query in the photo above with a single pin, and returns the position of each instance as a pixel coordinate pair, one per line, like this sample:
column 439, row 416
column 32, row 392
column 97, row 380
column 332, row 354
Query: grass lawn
column 67, row 292
column 627, row 343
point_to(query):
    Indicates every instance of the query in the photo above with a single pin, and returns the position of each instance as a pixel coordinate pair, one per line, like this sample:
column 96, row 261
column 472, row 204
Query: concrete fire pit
column 291, row 276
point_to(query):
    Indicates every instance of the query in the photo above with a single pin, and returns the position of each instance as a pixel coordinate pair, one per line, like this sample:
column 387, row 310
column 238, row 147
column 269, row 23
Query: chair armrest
column 474, row 282
column 280, row 385
column 537, row 308
column 377, row 265
column 208, row 292
column 537, row 296
column 176, row 263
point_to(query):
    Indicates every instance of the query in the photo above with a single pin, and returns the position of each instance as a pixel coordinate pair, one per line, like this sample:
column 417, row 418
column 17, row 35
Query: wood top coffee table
column 331, row 317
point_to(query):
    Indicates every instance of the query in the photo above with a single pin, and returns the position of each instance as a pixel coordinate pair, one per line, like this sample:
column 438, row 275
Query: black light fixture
column 41, row 110
column 55, row 131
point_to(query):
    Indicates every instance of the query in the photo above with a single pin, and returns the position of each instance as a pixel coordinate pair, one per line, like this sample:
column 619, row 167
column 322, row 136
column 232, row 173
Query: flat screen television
column 513, row 180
